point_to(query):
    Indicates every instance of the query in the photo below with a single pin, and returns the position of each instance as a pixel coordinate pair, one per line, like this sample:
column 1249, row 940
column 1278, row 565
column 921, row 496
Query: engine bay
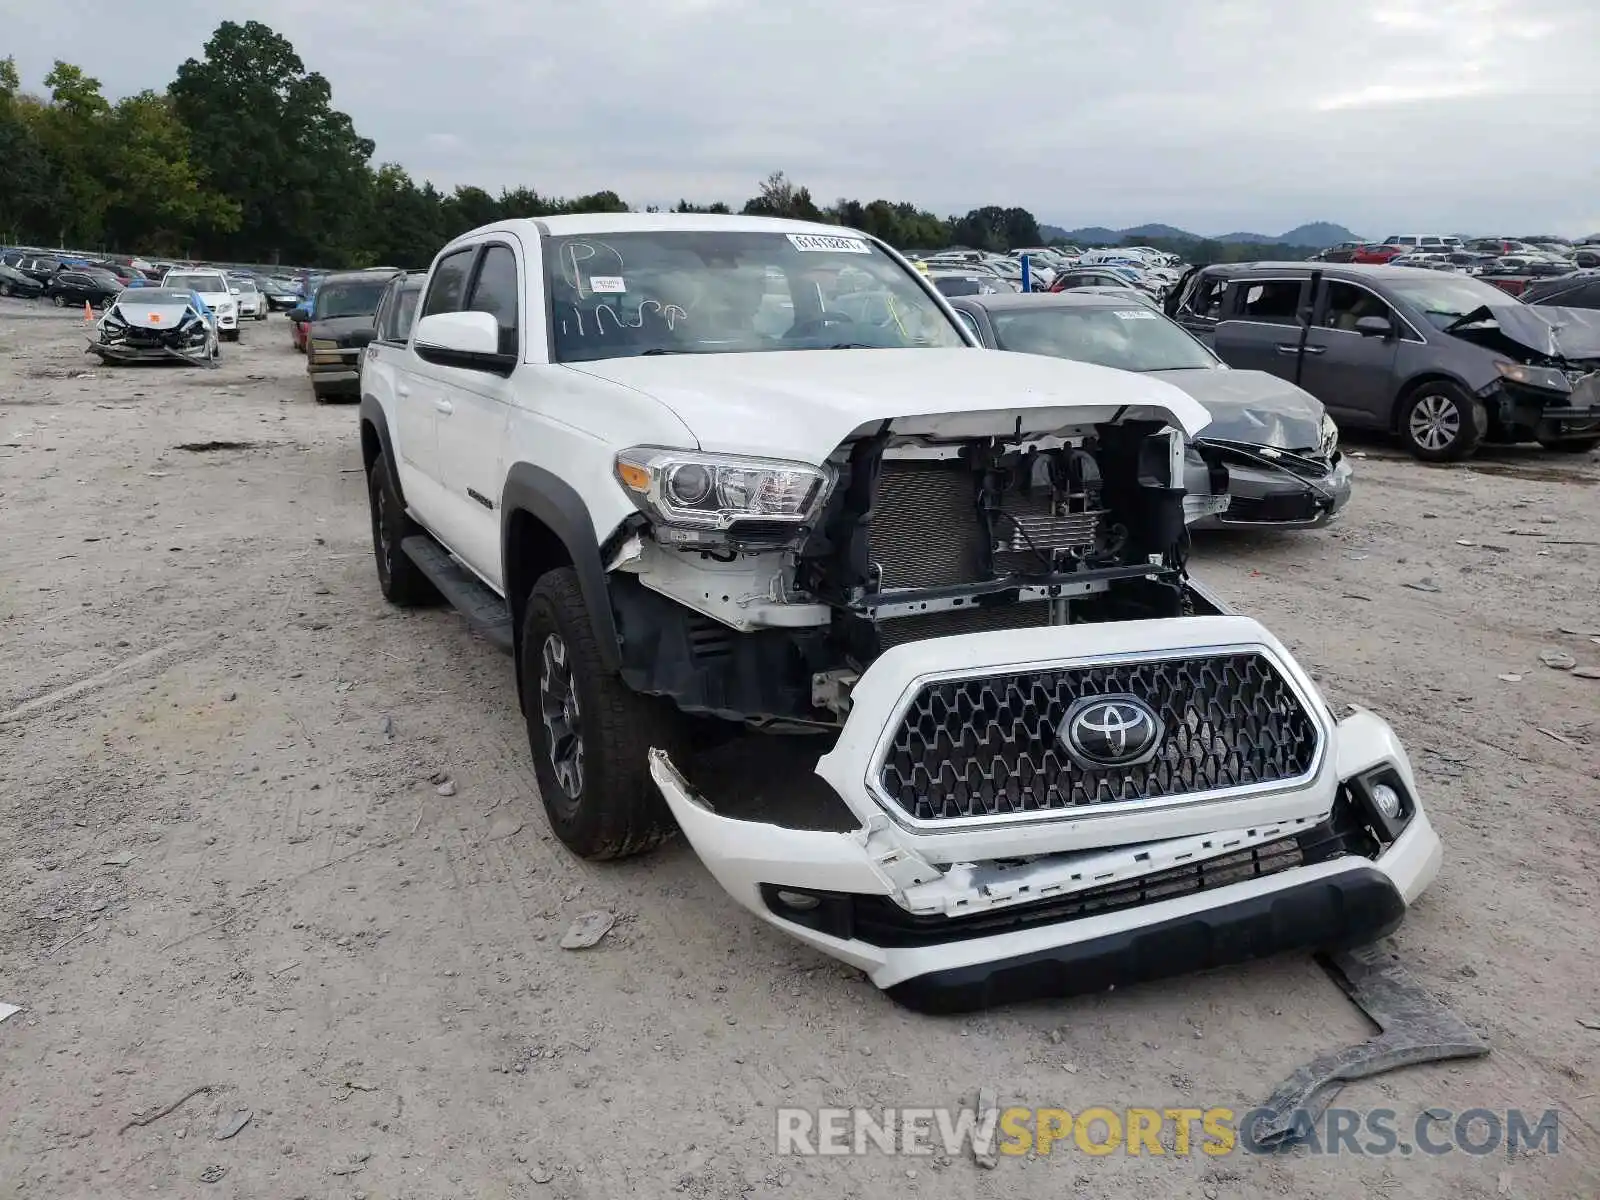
column 916, row 538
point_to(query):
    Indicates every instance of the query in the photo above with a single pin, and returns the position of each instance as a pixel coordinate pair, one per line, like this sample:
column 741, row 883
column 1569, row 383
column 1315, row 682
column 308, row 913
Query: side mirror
column 1374, row 327
column 469, row 340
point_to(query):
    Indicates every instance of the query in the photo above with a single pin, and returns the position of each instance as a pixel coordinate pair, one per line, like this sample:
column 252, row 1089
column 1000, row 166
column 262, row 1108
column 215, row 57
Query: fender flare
column 553, row 502
column 372, row 414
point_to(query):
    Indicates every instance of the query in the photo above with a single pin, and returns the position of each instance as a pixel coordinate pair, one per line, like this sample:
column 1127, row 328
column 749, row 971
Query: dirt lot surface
column 228, row 865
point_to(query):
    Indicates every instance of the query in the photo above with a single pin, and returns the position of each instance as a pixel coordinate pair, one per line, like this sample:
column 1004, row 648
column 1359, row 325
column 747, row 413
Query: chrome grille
column 989, row 747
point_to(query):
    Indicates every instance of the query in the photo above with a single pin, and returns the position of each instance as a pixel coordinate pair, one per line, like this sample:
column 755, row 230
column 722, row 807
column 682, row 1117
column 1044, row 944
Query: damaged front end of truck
column 1024, row 753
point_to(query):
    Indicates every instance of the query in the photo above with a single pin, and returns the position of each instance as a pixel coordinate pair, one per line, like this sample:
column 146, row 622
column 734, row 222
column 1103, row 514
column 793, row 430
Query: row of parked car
column 70, row 280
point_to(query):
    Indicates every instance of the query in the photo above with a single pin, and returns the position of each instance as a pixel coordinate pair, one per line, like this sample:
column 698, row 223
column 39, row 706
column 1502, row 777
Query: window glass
column 970, row 321
column 1206, row 298
column 1347, row 304
column 495, row 292
column 448, row 291
column 1135, row 338
column 1275, row 301
column 734, row 291
column 402, row 310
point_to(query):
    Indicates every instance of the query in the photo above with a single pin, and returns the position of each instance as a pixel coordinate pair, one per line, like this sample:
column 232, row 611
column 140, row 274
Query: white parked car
column 708, row 492
column 250, row 299
column 213, row 288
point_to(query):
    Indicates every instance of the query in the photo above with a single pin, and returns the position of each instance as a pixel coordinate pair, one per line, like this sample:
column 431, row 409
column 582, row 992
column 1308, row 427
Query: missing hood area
column 1519, row 330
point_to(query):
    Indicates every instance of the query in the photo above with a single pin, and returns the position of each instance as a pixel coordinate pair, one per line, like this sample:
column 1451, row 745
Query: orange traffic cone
column 88, row 311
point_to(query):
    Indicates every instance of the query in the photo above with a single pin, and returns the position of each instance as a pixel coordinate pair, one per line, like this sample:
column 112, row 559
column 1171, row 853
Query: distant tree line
column 244, row 159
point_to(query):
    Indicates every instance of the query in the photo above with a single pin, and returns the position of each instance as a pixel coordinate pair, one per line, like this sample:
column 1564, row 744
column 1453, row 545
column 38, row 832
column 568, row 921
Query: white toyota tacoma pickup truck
column 897, row 630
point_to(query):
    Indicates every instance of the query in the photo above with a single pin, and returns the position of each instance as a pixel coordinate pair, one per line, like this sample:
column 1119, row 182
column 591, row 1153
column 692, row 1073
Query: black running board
column 485, row 612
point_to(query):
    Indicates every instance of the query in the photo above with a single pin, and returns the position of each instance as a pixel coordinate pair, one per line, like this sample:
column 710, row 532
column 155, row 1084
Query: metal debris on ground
column 1586, row 672
column 233, row 1124
column 1509, row 677
column 1560, row 737
column 1558, row 660
column 120, row 859
column 213, row 1173
column 1423, row 585
column 9, row 1010
column 447, row 787
column 151, row 1118
column 1416, row 1027
column 587, row 930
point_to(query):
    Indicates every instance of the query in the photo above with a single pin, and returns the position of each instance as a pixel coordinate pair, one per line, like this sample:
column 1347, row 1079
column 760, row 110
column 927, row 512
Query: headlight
column 712, row 491
column 1328, row 435
column 1548, row 378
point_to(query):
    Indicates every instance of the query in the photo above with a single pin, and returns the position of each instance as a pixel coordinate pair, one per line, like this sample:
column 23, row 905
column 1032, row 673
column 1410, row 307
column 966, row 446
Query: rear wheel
column 1441, row 422
column 590, row 733
column 401, row 580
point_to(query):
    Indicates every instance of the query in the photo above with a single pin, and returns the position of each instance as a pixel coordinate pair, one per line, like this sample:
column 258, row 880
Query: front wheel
column 58, row 300
column 1441, row 422
column 590, row 733
column 5, row 288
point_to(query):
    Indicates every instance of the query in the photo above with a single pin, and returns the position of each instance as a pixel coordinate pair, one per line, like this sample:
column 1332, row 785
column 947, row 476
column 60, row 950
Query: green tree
column 683, row 206
column 156, row 201
column 29, row 183
column 265, row 132
column 406, row 226
column 781, row 198
column 996, row 228
column 71, row 130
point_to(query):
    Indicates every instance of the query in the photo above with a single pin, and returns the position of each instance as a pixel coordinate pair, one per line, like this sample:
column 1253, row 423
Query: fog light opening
column 797, row 901
column 1387, row 800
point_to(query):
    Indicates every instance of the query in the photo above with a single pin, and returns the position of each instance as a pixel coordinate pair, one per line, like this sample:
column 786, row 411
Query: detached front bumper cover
column 949, row 922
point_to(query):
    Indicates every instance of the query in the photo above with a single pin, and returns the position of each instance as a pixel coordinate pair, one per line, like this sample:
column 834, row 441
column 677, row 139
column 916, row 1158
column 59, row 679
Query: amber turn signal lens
column 633, row 477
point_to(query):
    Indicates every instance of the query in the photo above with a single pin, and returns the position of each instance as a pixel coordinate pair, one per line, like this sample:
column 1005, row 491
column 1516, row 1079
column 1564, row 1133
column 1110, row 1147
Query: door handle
column 401, row 389
column 444, row 406
column 1294, row 348
column 1316, row 349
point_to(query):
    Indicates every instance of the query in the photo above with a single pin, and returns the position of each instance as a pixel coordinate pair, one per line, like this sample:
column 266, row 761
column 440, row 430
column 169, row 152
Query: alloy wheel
column 558, row 709
column 1435, row 422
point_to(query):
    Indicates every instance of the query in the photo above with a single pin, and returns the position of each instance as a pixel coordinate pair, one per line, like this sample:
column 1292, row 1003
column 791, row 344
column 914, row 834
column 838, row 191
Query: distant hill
column 1317, row 235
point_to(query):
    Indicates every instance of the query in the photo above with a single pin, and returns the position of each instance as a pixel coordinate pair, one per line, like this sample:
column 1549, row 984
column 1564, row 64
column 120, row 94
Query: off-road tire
column 1464, row 419
column 401, row 580
column 618, row 810
column 1571, row 445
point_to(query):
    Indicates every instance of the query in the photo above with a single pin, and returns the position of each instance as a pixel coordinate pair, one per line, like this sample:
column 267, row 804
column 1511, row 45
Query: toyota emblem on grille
column 1101, row 732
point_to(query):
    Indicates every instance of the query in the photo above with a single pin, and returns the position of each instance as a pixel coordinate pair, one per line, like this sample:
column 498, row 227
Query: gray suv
column 1443, row 360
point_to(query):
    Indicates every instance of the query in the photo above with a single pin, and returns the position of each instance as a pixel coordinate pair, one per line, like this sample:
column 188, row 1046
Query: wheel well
column 371, row 445
column 1410, row 388
column 532, row 548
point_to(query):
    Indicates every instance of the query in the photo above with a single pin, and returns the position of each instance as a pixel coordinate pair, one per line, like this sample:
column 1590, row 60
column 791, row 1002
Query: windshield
column 204, row 284
column 358, row 298
column 1444, row 299
column 1131, row 339
column 682, row 292
column 245, row 285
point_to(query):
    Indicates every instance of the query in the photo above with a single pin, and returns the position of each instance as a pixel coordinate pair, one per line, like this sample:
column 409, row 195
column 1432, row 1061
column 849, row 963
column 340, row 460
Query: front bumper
column 334, row 370
column 1263, row 497
column 943, row 891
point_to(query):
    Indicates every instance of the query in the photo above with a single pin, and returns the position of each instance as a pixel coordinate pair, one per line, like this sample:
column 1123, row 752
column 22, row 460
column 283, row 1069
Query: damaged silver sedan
column 157, row 325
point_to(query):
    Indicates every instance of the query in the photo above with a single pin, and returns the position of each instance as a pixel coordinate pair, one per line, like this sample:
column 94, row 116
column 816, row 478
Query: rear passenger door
column 1260, row 329
column 475, row 419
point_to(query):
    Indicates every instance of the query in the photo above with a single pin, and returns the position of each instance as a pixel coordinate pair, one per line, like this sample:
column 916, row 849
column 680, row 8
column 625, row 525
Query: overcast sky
column 1476, row 116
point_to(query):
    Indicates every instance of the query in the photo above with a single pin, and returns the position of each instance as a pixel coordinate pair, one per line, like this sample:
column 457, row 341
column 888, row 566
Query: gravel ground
column 230, row 867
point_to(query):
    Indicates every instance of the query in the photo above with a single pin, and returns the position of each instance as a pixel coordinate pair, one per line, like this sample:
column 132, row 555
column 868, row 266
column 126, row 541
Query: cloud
column 1231, row 114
